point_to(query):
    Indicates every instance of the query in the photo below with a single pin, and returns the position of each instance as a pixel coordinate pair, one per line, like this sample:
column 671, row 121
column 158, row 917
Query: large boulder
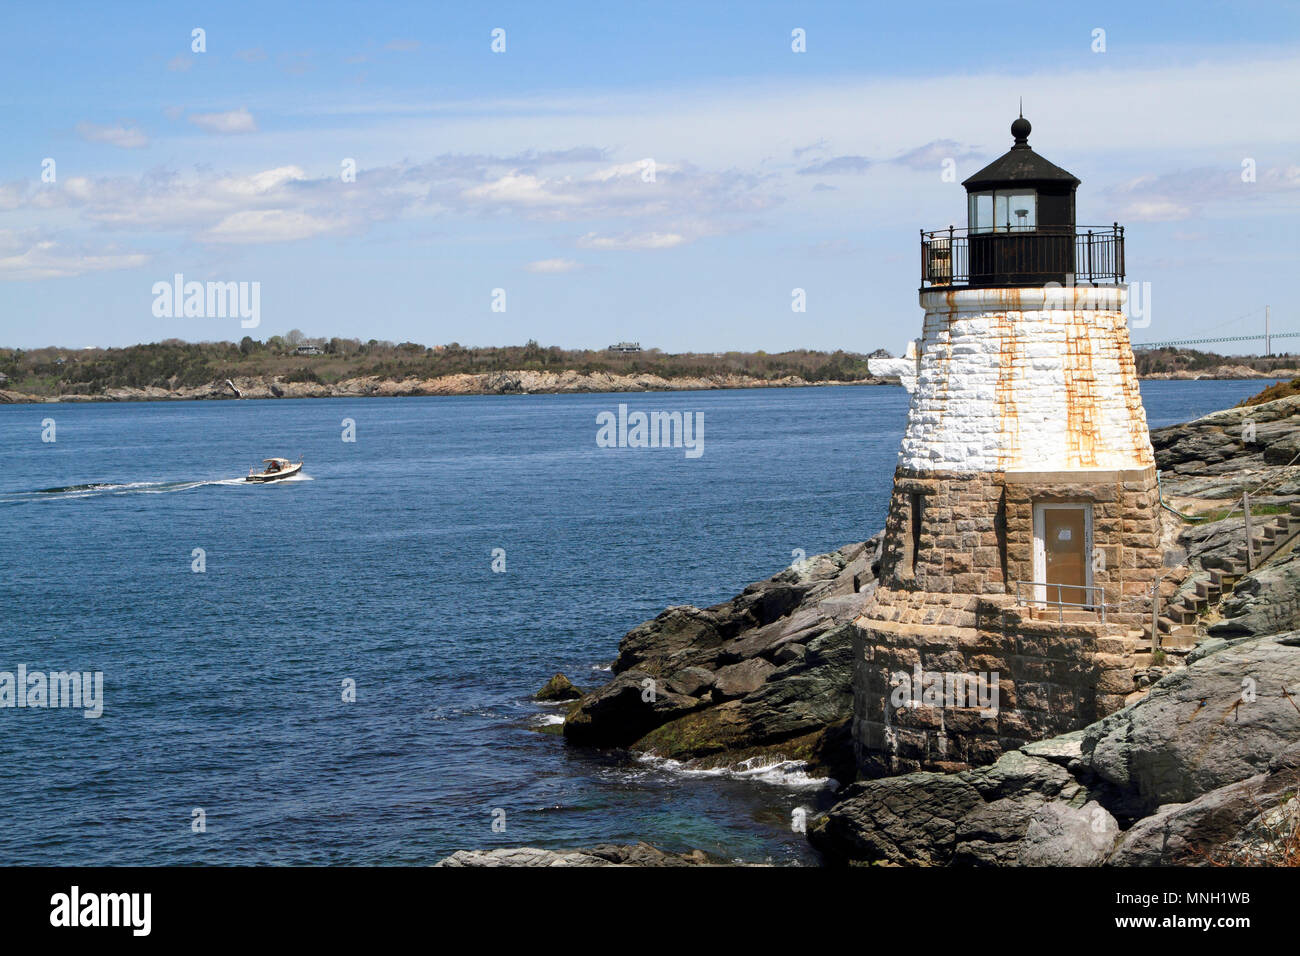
column 1218, row 721
column 557, row 688
column 737, row 680
column 911, row 819
column 626, row 708
column 1020, row 810
column 1246, row 822
column 1061, row 834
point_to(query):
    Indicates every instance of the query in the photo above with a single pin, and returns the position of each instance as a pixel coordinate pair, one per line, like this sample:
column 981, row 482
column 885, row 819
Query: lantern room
column 1020, row 229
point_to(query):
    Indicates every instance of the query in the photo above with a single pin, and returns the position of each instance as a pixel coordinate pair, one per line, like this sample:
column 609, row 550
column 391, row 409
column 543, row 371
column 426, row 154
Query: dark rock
column 764, row 675
column 691, row 681
column 680, row 637
column 904, row 820
column 1216, row 456
column 789, row 653
column 558, row 688
column 737, row 680
column 625, row 709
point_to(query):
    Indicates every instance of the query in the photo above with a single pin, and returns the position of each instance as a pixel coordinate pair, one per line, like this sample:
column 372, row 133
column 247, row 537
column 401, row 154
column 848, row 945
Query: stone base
column 1050, row 678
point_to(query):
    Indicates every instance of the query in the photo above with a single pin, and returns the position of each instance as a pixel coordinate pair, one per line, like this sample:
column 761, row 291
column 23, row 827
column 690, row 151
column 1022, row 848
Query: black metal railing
column 1086, row 255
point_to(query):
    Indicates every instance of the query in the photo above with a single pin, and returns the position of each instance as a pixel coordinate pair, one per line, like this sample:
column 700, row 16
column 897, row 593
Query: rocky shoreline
column 487, row 383
column 504, row 383
column 1203, row 767
column 1222, row 373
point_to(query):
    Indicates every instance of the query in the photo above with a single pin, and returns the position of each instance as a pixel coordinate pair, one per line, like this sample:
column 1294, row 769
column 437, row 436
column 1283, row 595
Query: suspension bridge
column 1267, row 336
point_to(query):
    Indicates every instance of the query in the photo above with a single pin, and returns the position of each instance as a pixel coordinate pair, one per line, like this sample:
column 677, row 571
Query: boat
column 275, row 470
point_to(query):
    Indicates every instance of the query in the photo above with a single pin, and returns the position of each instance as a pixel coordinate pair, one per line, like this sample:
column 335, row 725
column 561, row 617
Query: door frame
column 1040, row 546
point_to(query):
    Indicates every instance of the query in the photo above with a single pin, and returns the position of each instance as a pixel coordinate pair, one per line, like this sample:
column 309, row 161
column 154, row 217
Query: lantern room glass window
column 1003, row 210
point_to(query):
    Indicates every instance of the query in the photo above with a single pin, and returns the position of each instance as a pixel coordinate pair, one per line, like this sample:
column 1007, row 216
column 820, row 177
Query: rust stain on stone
column 1082, row 410
column 1139, row 437
column 1009, row 351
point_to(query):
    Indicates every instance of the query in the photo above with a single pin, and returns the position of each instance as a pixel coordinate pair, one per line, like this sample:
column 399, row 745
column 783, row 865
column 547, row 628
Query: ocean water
column 223, row 689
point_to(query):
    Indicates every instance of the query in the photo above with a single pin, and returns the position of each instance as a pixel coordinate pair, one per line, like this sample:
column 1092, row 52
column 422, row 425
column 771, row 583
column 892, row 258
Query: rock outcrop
column 1222, row 454
column 1204, row 769
column 558, row 688
column 604, row 854
column 764, row 675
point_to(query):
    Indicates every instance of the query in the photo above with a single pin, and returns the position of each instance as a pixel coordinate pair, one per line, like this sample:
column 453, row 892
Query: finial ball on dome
column 1020, row 130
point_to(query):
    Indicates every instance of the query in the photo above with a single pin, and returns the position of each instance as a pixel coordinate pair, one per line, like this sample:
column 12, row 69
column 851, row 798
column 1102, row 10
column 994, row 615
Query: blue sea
column 223, row 689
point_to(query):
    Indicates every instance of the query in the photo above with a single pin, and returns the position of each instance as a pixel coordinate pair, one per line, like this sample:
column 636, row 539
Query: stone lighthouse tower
column 1022, row 535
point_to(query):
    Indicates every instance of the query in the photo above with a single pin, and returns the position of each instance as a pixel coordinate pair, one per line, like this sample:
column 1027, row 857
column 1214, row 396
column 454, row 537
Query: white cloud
column 269, row 225
column 647, row 240
column 839, row 165
column 553, row 266
column 125, row 137
column 24, row 258
column 518, row 189
column 229, row 122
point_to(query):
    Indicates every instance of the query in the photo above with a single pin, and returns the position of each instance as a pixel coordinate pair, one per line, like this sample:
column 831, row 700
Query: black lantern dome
column 1020, row 228
column 1020, row 191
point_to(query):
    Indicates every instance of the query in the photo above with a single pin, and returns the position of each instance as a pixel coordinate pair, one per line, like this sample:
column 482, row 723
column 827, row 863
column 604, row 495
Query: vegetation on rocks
column 173, row 364
column 1173, row 362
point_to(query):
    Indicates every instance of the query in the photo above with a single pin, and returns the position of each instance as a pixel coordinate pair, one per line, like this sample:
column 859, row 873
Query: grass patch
column 1255, row 511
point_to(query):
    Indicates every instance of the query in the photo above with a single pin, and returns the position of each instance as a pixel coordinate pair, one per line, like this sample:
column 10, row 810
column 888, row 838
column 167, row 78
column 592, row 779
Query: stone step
column 1179, row 637
column 1208, row 590
column 1069, row 615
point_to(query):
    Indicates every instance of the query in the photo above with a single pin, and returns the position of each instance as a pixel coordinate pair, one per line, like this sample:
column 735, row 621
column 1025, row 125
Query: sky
column 664, row 172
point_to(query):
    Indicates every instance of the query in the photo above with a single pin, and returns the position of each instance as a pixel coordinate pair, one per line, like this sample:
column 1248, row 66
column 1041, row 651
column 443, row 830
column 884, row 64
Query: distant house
column 307, row 350
column 625, row 347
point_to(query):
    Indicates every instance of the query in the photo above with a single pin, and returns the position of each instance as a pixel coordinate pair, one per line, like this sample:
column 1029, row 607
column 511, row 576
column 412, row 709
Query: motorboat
column 276, row 469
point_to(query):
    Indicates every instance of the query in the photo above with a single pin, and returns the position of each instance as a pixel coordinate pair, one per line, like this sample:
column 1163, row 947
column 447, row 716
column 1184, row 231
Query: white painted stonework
column 904, row 369
column 1026, row 380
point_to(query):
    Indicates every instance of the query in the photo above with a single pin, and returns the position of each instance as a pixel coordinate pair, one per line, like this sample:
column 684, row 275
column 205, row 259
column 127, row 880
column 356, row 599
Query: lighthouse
column 1022, row 537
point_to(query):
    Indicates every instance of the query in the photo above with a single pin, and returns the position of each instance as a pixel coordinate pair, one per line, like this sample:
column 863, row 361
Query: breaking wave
column 782, row 773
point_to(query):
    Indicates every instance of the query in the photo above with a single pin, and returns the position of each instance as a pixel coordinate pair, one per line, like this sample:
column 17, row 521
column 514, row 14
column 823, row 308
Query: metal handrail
column 1062, row 605
column 1081, row 254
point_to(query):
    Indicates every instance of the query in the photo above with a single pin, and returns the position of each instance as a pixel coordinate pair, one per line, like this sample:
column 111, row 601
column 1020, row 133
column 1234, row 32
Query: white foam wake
column 771, row 770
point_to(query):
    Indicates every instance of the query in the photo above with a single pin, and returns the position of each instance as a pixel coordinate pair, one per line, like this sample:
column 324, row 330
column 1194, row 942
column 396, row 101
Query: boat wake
column 96, row 489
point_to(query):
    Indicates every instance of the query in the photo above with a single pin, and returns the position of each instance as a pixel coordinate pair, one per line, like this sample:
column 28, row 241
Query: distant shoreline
column 490, row 383
column 508, row 383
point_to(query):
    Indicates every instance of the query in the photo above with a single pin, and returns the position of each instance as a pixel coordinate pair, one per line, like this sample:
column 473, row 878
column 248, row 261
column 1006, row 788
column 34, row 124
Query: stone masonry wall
column 977, row 530
column 1051, row 678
